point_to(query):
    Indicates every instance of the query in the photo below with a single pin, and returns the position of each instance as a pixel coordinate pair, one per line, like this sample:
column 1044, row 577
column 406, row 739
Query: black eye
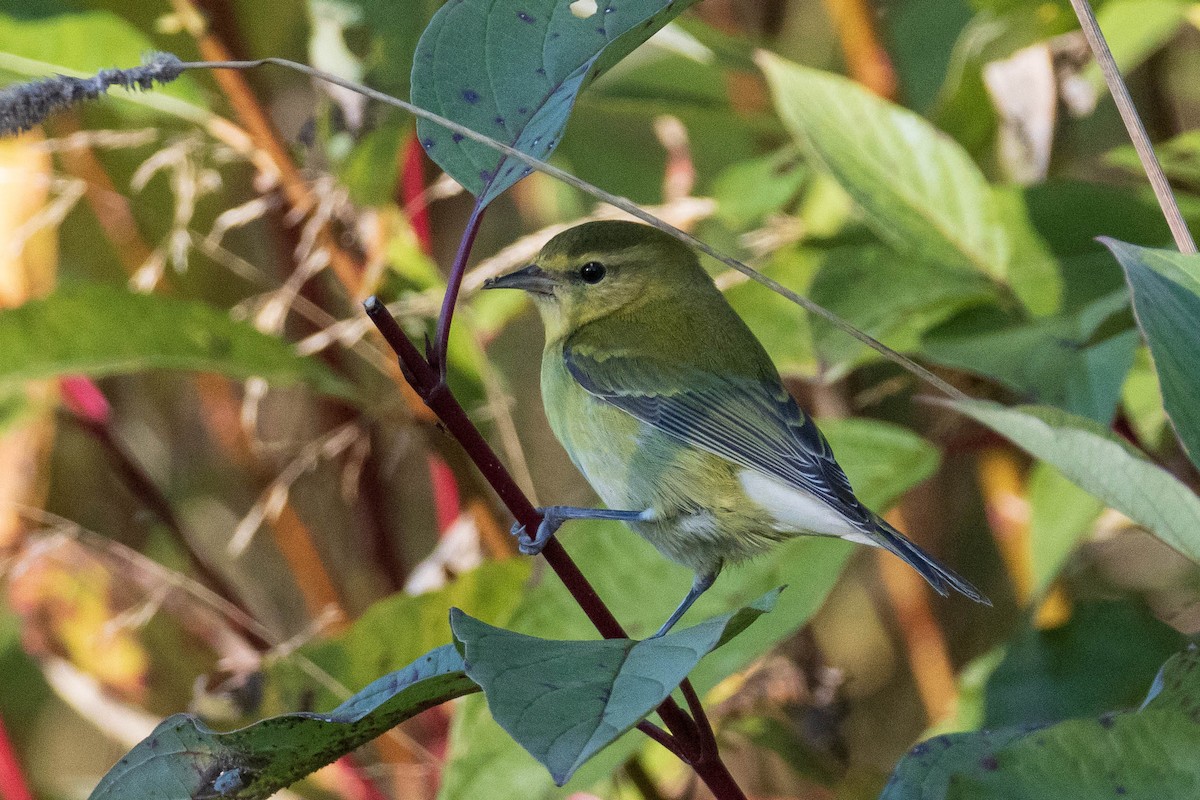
column 592, row 272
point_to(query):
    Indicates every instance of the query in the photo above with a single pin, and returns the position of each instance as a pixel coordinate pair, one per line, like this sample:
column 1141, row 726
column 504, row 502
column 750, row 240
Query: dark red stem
column 453, row 284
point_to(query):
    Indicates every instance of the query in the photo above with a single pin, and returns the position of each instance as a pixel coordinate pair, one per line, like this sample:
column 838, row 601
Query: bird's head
column 599, row 269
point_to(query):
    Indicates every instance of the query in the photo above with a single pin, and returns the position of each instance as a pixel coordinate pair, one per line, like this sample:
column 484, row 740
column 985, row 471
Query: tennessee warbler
column 672, row 410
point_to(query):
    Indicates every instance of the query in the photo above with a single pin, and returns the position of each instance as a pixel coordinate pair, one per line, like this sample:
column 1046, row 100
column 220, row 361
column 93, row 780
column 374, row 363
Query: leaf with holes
column 1166, row 302
column 511, row 69
column 564, row 701
column 184, row 759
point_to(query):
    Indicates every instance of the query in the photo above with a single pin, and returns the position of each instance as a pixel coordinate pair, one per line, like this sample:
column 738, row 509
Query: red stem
column 412, row 186
column 13, row 785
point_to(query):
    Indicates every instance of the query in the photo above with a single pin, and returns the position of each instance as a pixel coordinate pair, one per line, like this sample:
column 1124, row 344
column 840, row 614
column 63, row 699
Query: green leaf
column 1135, row 30
column 749, row 190
column 184, row 759
column 564, row 701
column 1052, row 360
column 918, row 189
column 1107, row 467
column 375, row 643
column 512, row 69
column 1102, row 658
column 1060, row 516
column 1166, row 303
column 1179, row 157
column 883, row 461
column 98, row 330
column 1149, row 753
column 893, row 298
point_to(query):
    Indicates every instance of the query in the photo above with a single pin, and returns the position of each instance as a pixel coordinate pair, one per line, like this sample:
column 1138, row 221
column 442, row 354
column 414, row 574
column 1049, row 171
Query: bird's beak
column 532, row 279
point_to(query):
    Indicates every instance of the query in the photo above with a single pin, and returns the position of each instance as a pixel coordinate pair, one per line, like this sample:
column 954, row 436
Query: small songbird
column 672, row 410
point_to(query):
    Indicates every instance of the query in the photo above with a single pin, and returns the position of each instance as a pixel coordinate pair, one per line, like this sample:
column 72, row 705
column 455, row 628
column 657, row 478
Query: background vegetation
column 218, row 494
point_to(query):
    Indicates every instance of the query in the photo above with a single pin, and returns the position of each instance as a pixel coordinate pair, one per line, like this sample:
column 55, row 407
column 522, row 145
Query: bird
column 672, row 410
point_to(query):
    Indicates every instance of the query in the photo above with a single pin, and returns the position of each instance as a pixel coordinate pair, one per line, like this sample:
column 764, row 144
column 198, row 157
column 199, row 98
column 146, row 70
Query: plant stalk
column 1133, row 124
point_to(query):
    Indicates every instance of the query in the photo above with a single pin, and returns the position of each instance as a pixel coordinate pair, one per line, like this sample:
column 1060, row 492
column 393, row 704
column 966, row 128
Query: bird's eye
column 592, row 272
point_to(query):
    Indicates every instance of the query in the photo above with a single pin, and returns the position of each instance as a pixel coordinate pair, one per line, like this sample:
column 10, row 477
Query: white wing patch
column 795, row 510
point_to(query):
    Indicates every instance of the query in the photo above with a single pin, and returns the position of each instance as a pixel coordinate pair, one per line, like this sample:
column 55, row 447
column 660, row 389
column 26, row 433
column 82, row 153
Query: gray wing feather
column 748, row 422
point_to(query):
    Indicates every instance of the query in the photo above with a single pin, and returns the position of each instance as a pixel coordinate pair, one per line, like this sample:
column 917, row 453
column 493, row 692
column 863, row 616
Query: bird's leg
column 700, row 585
column 554, row 516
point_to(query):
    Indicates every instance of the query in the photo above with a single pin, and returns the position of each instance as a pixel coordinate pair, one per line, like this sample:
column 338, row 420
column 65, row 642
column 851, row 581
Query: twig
column 1133, row 124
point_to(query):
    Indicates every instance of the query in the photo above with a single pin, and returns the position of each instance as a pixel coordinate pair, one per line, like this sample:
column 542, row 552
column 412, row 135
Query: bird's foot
column 533, row 545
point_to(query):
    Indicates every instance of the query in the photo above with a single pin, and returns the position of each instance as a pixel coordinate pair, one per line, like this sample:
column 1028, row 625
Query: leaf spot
column 989, row 763
column 458, row 137
column 428, row 142
column 499, row 121
column 521, row 15
column 470, row 95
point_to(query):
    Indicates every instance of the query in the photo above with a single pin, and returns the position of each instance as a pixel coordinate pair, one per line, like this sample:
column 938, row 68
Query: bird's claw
column 533, row 545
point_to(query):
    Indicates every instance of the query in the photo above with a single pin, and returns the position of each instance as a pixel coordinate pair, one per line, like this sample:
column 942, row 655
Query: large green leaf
column 512, row 69
column 1102, row 658
column 184, row 759
column 1107, row 467
column 1060, row 516
column 564, row 701
column 893, row 298
column 1166, row 302
column 918, row 189
column 883, row 461
column 98, row 330
column 1067, row 360
column 1148, row 753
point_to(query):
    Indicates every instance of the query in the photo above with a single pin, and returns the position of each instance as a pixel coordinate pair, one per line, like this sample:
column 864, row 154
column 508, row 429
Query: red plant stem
column 453, row 284
column 13, row 785
column 412, row 186
column 690, row 739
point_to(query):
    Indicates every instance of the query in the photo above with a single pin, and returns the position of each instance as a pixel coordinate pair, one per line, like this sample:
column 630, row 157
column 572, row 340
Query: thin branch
column 1133, row 124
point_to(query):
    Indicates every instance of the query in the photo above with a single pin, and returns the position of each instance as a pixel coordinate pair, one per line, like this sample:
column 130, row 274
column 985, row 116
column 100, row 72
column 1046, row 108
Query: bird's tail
column 940, row 577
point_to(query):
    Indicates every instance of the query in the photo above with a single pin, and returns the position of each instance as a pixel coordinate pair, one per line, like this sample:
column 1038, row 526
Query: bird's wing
column 753, row 423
